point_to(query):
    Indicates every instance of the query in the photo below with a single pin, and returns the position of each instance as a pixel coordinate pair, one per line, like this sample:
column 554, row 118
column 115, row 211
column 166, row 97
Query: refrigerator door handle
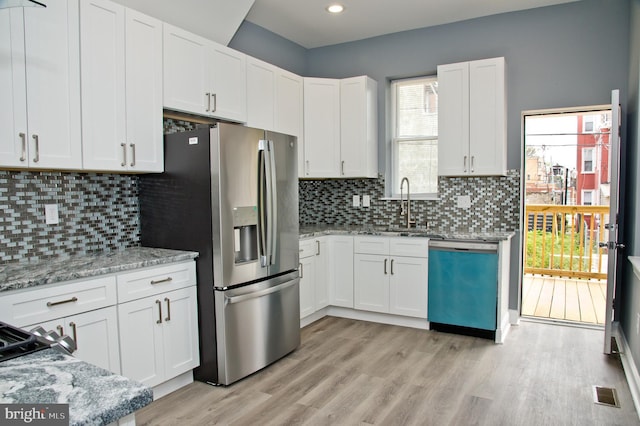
column 262, row 205
column 273, row 195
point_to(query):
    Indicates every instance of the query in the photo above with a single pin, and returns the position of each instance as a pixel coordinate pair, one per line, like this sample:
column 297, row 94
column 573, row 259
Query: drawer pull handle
column 75, row 333
column 168, row 318
column 165, row 280
column 61, row 302
column 159, row 303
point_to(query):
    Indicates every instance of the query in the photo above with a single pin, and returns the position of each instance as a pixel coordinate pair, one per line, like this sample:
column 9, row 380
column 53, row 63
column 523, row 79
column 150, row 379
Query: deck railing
column 562, row 241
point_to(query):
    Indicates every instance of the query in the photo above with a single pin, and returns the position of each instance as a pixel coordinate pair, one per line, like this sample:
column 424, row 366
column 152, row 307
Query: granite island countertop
column 487, row 236
column 95, row 396
column 23, row 275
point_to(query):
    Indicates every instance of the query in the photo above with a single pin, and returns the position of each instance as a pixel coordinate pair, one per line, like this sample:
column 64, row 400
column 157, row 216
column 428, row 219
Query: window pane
column 418, row 161
column 417, row 108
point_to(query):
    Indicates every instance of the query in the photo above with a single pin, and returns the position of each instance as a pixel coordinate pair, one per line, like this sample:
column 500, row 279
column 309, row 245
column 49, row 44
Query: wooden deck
column 576, row 300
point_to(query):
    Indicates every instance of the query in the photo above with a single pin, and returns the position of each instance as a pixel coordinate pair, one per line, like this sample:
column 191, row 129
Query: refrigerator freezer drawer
column 259, row 324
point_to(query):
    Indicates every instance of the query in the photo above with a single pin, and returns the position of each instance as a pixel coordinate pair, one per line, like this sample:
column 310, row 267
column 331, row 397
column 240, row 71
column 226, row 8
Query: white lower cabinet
column 390, row 275
column 314, row 276
column 159, row 329
column 341, row 271
column 95, row 334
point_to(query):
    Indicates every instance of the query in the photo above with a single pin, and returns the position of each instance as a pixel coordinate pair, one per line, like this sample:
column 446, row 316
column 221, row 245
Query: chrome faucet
column 406, row 210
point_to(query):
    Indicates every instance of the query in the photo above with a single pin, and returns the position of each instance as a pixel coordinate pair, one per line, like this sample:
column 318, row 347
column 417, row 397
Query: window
column 588, row 123
column 415, row 135
column 587, row 160
column 587, row 197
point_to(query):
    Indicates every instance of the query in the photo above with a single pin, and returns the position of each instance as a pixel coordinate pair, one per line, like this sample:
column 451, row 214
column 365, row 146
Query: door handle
column 473, row 157
column 215, row 102
column 23, row 138
column 60, row 330
column 385, row 266
column 168, row 318
column 464, row 164
column 391, row 266
column 342, row 167
column 75, row 332
column 133, row 154
column 208, row 101
column 301, row 270
column 159, row 303
column 317, row 248
column 124, row 154
column 36, row 138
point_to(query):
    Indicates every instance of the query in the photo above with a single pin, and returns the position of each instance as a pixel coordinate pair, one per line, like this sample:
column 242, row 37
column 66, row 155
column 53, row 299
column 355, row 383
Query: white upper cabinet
column 39, row 75
column 203, row 77
column 121, row 60
column 321, row 127
column 472, row 118
column 358, row 127
column 261, row 94
column 340, row 130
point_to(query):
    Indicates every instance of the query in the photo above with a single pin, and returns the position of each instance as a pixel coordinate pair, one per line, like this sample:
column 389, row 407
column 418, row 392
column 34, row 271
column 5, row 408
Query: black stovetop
column 15, row 342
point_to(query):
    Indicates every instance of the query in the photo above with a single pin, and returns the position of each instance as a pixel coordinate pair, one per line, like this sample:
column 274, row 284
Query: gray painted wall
column 558, row 56
column 630, row 285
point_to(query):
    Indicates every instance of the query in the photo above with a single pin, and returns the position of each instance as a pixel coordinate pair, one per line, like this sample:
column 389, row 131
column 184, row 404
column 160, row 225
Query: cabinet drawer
column 411, row 247
column 45, row 304
column 148, row 282
column 371, row 245
column 308, row 248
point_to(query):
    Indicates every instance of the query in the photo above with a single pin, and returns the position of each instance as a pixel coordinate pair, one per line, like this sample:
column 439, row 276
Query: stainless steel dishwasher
column 463, row 287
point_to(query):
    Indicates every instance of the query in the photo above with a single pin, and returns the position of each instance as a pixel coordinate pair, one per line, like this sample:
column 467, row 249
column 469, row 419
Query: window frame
column 593, row 160
column 395, row 140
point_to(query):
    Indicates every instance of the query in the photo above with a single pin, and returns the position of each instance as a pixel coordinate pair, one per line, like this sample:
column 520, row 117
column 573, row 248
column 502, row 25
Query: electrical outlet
column 366, row 201
column 51, row 214
column 356, row 201
column 464, row 202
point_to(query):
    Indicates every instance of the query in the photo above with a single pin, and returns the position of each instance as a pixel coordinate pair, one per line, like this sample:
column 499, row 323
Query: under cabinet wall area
column 472, row 118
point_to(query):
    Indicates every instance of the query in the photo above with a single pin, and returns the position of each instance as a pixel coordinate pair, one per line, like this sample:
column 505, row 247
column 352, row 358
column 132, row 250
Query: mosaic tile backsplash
column 495, row 204
column 97, row 212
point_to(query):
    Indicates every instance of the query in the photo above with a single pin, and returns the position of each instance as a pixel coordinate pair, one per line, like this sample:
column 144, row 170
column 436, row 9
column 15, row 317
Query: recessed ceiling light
column 335, row 8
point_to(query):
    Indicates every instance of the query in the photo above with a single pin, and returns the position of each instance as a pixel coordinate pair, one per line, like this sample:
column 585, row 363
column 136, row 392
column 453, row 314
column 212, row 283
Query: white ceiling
column 307, row 23
column 217, row 20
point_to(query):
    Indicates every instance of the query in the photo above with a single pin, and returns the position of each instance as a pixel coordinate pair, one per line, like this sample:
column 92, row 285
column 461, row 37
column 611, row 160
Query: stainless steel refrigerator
column 231, row 193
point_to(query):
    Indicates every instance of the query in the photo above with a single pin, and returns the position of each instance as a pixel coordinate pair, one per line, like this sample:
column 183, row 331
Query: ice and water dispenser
column 245, row 234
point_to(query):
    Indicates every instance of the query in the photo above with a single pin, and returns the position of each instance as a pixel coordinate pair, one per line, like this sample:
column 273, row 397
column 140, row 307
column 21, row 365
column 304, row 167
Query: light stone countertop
column 95, row 396
column 23, row 275
column 319, row 230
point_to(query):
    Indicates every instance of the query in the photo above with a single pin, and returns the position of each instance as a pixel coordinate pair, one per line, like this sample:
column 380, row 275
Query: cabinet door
column 227, row 71
column 307, row 286
column 53, row 90
column 180, row 331
column 453, row 119
column 103, row 85
column 13, row 102
column 261, row 92
column 487, row 117
column 186, row 81
column 141, row 346
column 321, row 127
column 358, row 127
column 341, row 268
column 96, row 337
column 371, row 282
column 288, row 110
column 143, row 47
column 408, row 286
column 322, row 274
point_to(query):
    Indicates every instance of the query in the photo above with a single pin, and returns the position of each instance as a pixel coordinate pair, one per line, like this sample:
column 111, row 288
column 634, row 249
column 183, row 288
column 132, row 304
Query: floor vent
column 605, row 396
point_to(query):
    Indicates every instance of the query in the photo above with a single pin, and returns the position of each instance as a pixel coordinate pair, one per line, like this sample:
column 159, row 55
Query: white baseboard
column 313, row 317
column 503, row 330
column 628, row 365
column 336, row 311
column 172, row 385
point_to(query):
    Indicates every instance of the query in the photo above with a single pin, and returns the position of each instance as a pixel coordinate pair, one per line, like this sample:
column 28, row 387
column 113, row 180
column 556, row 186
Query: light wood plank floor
column 349, row 372
column 564, row 299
